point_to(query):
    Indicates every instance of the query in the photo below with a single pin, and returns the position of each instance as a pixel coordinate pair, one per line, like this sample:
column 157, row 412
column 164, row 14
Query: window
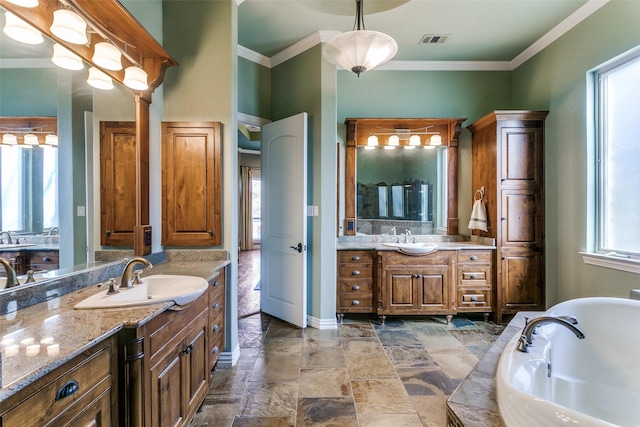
column 617, row 171
column 256, row 208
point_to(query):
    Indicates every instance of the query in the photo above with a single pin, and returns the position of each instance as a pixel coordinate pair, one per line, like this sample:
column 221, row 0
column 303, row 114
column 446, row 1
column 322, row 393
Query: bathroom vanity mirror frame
column 359, row 129
column 109, row 21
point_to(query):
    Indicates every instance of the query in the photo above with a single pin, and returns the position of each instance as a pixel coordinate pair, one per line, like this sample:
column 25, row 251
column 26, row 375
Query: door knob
column 297, row 248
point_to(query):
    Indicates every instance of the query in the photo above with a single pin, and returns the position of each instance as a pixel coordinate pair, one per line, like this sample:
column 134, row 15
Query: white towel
column 478, row 219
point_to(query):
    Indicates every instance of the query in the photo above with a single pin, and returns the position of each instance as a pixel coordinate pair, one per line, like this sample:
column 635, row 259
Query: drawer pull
column 355, row 288
column 46, row 259
column 215, row 350
column 215, row 305
column 215, row 328
column 355, row 272
column 355, row 302
column 474, row 298
column 473, row 257
column 189, row 349
column 215, row 284
column 355, row 258
column 473, row 276
column 67, row 390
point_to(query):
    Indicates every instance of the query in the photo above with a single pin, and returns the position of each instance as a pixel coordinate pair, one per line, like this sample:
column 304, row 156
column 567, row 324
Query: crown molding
column 252, row 120
column 322, row 36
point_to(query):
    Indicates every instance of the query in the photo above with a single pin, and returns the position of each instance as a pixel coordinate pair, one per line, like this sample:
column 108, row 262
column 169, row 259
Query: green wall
column 28, row 92
column 556, row 80
column 254, row 89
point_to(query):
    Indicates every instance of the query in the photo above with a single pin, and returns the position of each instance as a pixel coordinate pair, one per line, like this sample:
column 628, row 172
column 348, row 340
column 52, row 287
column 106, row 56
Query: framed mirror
column 401, row 174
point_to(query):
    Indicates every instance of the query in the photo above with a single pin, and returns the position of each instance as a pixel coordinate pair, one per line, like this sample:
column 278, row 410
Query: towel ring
column 481, row 194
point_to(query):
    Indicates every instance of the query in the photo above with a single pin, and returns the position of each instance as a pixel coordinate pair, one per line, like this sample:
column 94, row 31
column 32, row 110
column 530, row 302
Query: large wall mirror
column 401, row 174
column 49, row 196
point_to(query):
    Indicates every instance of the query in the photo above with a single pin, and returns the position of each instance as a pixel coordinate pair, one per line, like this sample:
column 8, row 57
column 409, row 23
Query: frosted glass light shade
column 51, row 139
column 9, row 139
column 69, row 26
column 19, row 30
column 107, row 56
column 24, row 3
column 372, row 141
column 30, row 139
column 436, row 140
column 99, row 79
column 414, row 140
column 360, row 50
column 394, row 140
column 135, row 78
column 66, row 59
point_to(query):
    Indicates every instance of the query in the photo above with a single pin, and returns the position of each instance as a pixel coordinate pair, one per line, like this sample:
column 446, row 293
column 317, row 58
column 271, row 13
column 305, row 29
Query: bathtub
column 565, row 381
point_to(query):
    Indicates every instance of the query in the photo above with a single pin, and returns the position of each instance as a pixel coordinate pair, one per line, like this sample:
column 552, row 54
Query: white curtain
column 246, row 230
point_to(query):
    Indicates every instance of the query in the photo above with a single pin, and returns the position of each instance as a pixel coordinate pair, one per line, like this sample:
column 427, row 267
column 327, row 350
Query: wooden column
column 142, row 230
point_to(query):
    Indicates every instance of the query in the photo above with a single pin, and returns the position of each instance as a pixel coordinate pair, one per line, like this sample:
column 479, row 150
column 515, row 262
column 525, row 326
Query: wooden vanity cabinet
column 416, row 284
column 45, row 260
column 82, row 392
column 474, row 281
column 356, row 283
column 216, row 317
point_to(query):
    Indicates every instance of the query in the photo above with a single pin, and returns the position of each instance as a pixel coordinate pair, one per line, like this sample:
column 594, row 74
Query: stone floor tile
column 281, row 347
column 362, row 347
column 409, row 357
column 388, row 420
column 426, row 382
column 242, row 421
column 381, row 396
column 332, row 382
column 326, row 412
column 370, row 367
column 276, row 368
column 272, row 399
column 455, row 362
column 398, row 337
column 432, row 410
column 323, row 357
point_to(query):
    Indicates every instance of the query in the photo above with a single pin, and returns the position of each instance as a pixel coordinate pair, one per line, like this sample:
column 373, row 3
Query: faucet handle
column 137, row 280
column 113, row 289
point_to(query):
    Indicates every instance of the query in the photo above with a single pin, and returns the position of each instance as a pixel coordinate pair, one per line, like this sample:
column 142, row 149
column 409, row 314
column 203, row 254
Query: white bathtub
column 565, row 381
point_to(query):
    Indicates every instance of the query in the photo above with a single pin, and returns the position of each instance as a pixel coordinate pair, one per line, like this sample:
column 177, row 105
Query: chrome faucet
column 9, row 241
column 53, row 231
column 407, row 233
column 393, row 229
column 127, row 281
column 12, row 279
column 526, row 338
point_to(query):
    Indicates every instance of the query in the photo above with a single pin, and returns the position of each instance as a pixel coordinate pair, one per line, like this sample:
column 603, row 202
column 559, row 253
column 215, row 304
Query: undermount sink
column 154, row 289
column 414, row 248
column 15, row 245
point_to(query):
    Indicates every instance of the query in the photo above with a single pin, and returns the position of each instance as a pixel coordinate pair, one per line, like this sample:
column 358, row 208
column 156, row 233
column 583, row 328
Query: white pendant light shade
column 69, row 26
column 99, row 79
column 414, row 140
column 360, row 50
column 372, row 141
column 436, row 140
column 66, row 59
column 394, row 140
column 24, row 3
column 51, row 139
column 9, row 139
column 107, row 56
column 19, row 30
column 30, row 139
column 135, row 78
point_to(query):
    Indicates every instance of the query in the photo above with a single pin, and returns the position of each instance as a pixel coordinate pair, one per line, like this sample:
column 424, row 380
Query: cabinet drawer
column 470, row 275
column 356, row 302
column 68, row 394
column 474, row 298
column 359, row 286
column 345, row 272
column 465, row 256
column 350, row 257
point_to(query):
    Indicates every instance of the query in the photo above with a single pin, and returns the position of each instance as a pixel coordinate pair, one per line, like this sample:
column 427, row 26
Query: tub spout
column 526, row 338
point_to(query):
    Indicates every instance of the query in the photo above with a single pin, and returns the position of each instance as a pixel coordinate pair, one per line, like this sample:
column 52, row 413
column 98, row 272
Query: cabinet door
column 522, row 274
column 191, row 184
column 196, row 367
column 433, row 289
column 418, row 290
column 117, row 179
column 168, row 406
column 401, row 291
column 521, row 154
column 522, row 223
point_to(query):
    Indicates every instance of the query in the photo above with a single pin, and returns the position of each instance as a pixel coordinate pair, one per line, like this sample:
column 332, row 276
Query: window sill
column 614, row 262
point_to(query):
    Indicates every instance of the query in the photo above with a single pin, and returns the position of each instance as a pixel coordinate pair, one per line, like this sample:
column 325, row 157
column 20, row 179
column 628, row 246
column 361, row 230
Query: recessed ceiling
column 479, row 30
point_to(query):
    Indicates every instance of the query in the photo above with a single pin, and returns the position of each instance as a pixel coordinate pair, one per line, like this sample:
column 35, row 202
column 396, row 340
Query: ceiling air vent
column 434, row 38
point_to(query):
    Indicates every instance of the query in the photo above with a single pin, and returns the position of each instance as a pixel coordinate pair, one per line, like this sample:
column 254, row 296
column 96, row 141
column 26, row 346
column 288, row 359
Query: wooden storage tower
column 508, row 161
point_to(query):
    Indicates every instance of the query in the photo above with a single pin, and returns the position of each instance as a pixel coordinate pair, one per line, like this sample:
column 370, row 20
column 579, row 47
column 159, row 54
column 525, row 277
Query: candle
column 46, row 341
column 27, row 342
column 11, row 350
column 33, row 350
column 53, row 349
column 7, row 341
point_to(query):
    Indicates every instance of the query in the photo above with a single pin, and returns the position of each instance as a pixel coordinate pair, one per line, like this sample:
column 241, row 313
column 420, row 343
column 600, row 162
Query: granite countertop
column 76, row 330
column 445, row 246
column 474, row 402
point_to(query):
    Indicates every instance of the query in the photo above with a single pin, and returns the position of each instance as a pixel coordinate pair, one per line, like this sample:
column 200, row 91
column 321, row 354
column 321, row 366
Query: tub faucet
column 12, row 279
column 127, row 281
column 526, row 338
column 9, row 241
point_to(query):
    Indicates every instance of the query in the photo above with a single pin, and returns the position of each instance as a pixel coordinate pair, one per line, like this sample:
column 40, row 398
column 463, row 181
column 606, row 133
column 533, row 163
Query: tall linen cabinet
column 508, row 168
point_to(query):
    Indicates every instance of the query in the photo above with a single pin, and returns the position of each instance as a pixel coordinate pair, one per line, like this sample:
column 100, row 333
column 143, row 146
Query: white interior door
column 283, row 249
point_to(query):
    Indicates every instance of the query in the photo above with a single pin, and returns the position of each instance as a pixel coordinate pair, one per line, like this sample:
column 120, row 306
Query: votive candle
column 33, row 350
column 53, row 349
column 11, row 350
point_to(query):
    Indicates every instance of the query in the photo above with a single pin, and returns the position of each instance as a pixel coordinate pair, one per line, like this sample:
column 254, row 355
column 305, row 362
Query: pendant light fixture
column 360, row 50
column 69, row 26
column 9, row 139
column 107, row 56
column 30, row 139
column 51, row 139
column 66, row 59
column 435, row 140
column 19, row 30
column 99, row 79
column 135, row 78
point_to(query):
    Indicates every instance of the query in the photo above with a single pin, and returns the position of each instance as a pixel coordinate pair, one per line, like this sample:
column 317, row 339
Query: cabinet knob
column 355, row 258
column 473, row 257
column 210, row 232
column 46, row 259
column 355, row 288
column 189, row 349
column 67, row 390
column 215, row 284
column 473, row 276
column 107, row 233
column 215, row 350
column 356, row 272
column 215, row 328
column 215, row 305
column 355, row 302
column 474, row 298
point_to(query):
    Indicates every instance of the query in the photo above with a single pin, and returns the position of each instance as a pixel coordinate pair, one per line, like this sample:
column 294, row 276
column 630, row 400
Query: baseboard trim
column 229, row 359
column 317, row 323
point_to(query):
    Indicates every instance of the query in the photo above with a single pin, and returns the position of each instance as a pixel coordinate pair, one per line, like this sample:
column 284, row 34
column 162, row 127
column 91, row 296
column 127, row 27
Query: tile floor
column 361, row 374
